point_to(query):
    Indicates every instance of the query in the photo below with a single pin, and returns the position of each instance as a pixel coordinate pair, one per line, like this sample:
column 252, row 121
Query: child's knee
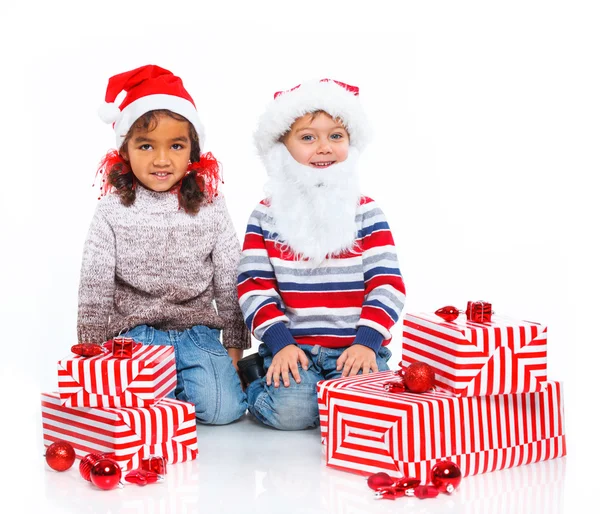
column 293, row 408
column 222, row 405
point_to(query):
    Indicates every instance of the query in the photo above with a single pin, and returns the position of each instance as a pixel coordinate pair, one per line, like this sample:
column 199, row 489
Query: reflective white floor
column 248, row 468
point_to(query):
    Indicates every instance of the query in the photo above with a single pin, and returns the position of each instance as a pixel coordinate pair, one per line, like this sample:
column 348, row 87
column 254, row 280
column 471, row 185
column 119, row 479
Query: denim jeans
column 295, row 407
column 205, row 374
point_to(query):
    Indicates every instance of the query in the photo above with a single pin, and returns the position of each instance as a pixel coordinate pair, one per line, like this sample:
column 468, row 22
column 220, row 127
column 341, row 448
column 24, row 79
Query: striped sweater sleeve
column 260, row 301
column 384, row 286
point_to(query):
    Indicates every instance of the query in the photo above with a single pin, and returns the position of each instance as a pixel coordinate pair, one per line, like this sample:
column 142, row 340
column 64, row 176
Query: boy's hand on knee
column 284, row 362
column 355, row 358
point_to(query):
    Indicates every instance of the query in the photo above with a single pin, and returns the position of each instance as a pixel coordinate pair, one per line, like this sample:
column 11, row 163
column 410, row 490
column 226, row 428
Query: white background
column 485, row 157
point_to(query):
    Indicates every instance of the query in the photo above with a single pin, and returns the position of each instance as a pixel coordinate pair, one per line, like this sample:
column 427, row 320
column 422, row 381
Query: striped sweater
column 352, row 298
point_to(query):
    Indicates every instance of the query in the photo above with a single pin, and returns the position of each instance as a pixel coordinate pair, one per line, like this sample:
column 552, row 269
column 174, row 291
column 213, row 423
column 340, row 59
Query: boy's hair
column 121, row 177
column 312, row 115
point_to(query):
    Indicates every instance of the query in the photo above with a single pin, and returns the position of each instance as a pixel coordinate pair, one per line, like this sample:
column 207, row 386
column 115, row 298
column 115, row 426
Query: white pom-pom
column 109, row 113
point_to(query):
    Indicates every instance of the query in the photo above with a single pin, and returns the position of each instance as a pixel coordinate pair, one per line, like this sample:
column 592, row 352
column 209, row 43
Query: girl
column 161, row 250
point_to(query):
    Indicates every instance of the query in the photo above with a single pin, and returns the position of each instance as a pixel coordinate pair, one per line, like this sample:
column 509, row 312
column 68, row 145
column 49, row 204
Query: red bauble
column 86, row 464
column 426, row 491
column 448, row 313
column 380, row 481
column 105, row 474
column 419, row 377
column 87, row 349
column 446, row 476
column 395, row 386
column 60, row 456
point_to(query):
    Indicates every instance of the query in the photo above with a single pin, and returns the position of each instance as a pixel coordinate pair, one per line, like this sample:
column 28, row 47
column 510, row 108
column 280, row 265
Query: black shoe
column 251, row 368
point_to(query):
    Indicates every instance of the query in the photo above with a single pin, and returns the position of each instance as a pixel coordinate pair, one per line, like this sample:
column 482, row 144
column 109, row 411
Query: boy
column 318, row 282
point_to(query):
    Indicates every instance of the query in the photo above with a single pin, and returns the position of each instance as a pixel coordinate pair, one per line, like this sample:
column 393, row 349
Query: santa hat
column 148, row 88
column 337, row 99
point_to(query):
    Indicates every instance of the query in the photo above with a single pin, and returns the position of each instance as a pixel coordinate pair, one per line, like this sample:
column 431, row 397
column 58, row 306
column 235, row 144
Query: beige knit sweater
column 151, row 263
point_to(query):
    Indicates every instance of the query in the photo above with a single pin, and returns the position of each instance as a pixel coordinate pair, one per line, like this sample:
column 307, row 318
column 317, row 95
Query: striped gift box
column 167, row 428
column 104, row 381
column 367, row 429
column 471, row 359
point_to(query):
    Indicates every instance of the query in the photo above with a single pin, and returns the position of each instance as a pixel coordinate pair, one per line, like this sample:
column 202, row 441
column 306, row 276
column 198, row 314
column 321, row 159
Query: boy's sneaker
column 251, row 368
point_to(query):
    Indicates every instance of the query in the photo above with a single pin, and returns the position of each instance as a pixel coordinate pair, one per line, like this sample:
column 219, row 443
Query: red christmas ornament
column 105, row 474
column 143, row 477
column 155, row 463
column 446, row 476
column 389, row 493
column 122, row 347
column 60, row 456
column 395, row 386
column 448, row 313
column 87, row 349
column 426, row 491
column 380, row 481
column 419, row 377
column 86, row 464
column 479, row 312
column 406, row 485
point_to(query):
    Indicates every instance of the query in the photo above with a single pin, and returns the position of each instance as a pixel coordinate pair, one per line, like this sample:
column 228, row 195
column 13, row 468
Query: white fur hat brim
column 312, row 96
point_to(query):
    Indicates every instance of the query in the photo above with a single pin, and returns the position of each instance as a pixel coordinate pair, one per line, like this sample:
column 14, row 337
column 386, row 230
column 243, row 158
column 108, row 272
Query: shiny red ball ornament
column 143, row 477
column 87, row 349
column 86, row 464
column 419, row 377
column 448, row 313
column 446, row 476
column 105, row 474
column 426, row 491
column 380, row 481
column 60, row 456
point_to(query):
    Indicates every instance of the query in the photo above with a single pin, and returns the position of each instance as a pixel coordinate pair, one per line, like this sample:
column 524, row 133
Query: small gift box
column 503, row 355
column 107, row 380
column 133, row 434
column 367, row 429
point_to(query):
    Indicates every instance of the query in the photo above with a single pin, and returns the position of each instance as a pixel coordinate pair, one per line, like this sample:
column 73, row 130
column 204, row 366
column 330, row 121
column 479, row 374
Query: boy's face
column 159, row 158
column 317, row 141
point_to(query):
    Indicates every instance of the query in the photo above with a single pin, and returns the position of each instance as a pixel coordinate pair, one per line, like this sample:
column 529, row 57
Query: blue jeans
column 295, row 407
column 205, row 374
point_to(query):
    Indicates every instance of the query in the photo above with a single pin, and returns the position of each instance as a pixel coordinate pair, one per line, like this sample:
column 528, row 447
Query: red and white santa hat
column 148, row 88
column 337, row 99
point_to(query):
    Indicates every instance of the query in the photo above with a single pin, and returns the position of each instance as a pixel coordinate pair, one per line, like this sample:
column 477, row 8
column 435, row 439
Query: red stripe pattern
column 104, row 381
column 473, row 359
column 367, row 429
column 167, row 428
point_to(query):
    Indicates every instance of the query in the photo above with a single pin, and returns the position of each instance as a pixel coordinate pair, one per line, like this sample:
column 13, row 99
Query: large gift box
column 167, row 429
column 502, row 356
column 367, row 429
column 106, row 381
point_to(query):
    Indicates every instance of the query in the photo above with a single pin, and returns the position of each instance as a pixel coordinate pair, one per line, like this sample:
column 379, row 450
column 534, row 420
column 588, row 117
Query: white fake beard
column 313, row 210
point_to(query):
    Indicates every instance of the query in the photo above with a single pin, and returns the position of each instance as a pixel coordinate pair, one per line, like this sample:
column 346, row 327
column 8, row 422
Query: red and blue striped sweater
column 352, row 298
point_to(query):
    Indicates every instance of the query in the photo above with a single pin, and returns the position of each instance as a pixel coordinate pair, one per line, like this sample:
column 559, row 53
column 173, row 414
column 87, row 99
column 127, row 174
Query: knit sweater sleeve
column 97, row 281
column 225, row 257
column 259, row 297
column 384, row 286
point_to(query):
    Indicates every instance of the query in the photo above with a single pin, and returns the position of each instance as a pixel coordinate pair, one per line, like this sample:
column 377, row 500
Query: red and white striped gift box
column 105, row 381
column 367, row 429
column 471, row 359
column 167, row 428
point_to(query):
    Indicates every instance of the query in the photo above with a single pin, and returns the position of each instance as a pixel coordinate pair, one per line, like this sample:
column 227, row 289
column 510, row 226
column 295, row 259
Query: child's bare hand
column 284, row 362
column 355, row 358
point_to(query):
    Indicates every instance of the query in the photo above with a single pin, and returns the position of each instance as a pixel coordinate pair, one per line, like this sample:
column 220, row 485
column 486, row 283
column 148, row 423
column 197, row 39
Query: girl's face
column 317, row 141
column 159, row 158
